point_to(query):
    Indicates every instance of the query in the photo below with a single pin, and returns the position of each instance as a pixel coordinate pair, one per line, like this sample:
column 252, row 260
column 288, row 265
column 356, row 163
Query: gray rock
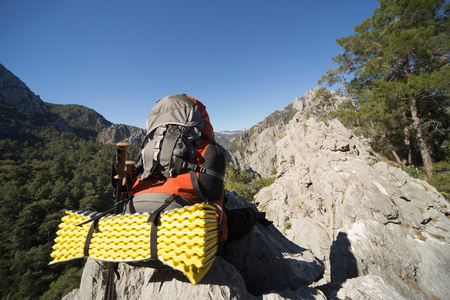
column 261, row 264
column 260, row 156
column 260, row 147
column 359, row 217
column 122, row 133
column 15, row 93
column 367, row 287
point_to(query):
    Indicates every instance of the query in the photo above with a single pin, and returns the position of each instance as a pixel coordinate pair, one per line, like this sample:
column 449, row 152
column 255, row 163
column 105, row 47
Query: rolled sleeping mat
column 187, row 238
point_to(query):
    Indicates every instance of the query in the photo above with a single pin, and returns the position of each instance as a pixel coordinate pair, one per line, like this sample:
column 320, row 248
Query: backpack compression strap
column 196, row 187
column 154, row 227
column 198, row 169
column 193, row 170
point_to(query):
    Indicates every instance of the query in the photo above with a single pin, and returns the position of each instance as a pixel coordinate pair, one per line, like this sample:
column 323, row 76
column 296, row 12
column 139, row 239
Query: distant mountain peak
column 14, row 93
column 23, row 111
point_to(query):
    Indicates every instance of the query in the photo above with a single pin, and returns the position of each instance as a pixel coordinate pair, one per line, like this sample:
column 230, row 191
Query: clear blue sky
column 243, row 59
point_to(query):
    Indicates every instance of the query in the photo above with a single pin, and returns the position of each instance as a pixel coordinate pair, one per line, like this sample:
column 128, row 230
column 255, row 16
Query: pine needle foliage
column 395, row 72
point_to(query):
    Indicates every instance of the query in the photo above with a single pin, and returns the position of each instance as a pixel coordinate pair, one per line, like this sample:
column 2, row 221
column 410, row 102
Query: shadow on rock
column 269, row 262
column 343, row 265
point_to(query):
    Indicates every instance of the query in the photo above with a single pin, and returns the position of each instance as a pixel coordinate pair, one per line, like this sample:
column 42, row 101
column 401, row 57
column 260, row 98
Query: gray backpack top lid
column 176, row 109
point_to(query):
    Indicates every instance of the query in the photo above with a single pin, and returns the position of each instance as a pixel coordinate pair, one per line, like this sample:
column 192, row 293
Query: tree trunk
column 424, row 151
column 397, row 158
column 394, row 153
column 407, row 140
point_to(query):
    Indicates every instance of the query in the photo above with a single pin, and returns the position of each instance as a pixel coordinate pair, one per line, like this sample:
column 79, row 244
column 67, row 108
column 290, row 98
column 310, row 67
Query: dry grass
column 420, row 235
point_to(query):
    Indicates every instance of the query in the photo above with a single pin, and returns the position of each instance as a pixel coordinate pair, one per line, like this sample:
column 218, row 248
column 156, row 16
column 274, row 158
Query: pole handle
column 121, row 159
column 129, row 166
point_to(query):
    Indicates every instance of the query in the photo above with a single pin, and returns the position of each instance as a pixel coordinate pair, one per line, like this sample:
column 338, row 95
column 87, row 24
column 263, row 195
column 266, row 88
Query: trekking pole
column 121, row 156
column 129, row 166
column 121, row 161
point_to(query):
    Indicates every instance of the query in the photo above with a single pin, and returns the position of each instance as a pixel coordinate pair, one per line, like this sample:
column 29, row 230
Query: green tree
column 38, row 181
column 395, row 71
column 244, row 183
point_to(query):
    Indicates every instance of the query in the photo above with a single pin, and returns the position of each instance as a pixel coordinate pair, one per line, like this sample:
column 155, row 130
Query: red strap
column 208, row 127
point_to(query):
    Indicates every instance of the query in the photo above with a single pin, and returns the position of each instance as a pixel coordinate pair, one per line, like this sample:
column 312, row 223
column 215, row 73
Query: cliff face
column 377, row 230
column 13, row 92
column 122, row 133
column 256, row 150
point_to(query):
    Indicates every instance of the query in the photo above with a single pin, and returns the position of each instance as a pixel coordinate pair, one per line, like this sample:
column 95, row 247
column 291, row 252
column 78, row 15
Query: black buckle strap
column 89, row 236
column 196, row 187
column 94, row 225
column 198, row 169
column 154, row 227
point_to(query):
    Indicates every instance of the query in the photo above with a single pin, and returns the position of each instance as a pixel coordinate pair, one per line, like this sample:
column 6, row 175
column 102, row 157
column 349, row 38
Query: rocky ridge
column 13, row 92
column 116, row 133
column 377, row 230
column 345, row 225
column 256, row 151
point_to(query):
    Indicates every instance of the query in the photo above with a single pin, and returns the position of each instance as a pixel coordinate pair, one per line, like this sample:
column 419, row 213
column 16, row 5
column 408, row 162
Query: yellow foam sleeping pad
column 187, row 238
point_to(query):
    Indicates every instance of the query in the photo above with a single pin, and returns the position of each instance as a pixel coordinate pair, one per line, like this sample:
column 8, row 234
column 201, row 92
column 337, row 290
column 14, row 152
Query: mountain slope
column 24, row 113
column 49, row 162
column 84, row 121
column 254, row 150
column 376, row 228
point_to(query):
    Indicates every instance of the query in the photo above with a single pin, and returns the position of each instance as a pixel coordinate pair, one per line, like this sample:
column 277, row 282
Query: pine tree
column 395, row 70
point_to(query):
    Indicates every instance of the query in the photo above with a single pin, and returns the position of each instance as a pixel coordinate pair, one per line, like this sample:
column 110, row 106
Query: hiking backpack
column 179, row 155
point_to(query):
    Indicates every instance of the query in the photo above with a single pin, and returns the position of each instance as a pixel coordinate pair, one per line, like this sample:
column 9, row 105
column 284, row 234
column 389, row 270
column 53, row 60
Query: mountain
column 84, row 121
column 23, row 112
column 15, row 94
column 254, row 150
column 122, row 133
column 226, row 137
column 347, row 224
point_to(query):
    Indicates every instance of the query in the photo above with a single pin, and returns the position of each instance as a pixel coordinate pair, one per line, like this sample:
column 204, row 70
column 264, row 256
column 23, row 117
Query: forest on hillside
column 39, row 180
